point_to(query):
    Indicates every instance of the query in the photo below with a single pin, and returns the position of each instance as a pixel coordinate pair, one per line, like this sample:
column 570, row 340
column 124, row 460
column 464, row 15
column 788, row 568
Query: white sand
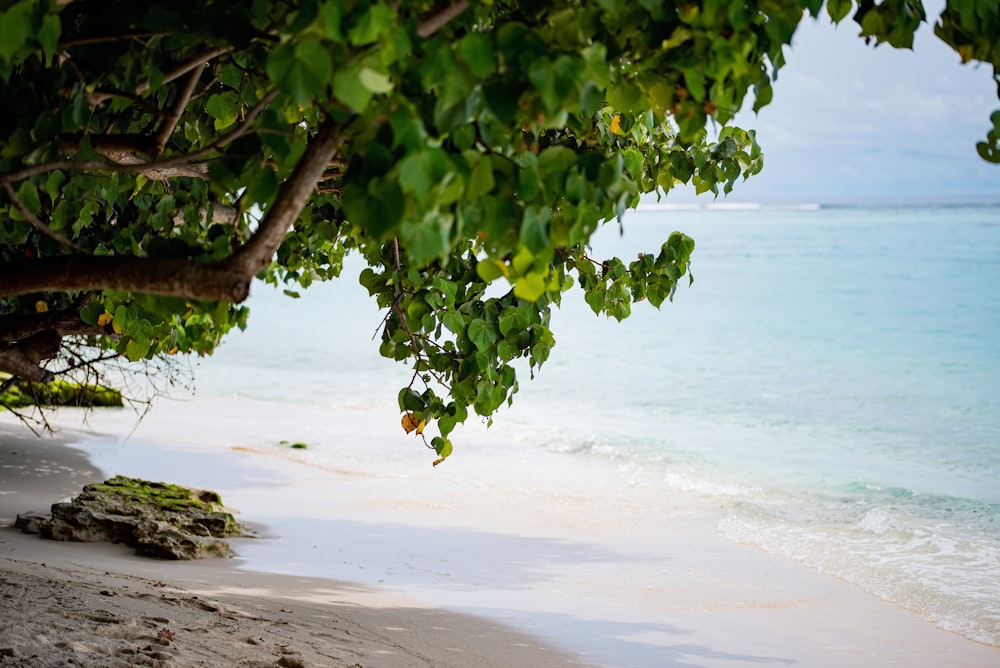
column 593, row 576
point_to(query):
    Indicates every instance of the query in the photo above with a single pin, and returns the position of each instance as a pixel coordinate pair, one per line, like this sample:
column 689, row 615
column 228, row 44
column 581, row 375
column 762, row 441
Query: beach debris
column 157, row 519
column 298, row 445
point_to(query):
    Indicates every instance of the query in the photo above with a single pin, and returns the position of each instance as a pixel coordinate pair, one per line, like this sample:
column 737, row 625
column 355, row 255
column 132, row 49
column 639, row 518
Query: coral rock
column 159, row 520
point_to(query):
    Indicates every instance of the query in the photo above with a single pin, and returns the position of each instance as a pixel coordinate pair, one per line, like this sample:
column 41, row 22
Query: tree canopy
column 156, row 157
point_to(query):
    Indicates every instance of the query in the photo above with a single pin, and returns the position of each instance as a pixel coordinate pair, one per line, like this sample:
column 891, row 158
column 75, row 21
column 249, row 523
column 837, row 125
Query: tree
column 156, row 157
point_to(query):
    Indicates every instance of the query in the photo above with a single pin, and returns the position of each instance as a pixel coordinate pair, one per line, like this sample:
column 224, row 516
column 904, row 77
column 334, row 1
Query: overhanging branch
column 223, row 280
column 125, row 161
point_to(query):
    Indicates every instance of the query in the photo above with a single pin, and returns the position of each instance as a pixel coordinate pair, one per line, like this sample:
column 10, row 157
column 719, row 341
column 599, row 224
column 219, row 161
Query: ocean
column 831, row 381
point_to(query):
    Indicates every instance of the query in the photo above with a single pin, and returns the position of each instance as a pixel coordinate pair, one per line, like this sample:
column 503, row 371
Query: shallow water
column 831, row 380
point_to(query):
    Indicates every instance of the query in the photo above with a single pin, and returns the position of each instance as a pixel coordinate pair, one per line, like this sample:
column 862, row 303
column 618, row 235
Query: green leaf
column 481, row 180
column 448, row 288
column 489, row 270
column 91, row 312
column 420, row 172
column 224, row 108
column 377, row 208
column 330, row 17
column 513, row 319
column 428, row 239
column 443, row 447
column 530, row 286
column 349, row 90
column 48, row 36
column 455, row 322
column 482, row 334
column 596, row 298
column 15, row 29
column 695, row 83
column 477, row 51
column 28, row 195
column 633, row 162
column 372, row 25
column 137, row 348
column 506, row 350
column 838, row 9
column 301, row 70
column 534, row 228
column 410, row 400
column 374, row 81
column 502, row 100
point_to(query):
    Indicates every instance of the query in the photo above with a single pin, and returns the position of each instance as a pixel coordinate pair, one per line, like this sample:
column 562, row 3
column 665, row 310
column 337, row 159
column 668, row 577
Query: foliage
column 160, row 155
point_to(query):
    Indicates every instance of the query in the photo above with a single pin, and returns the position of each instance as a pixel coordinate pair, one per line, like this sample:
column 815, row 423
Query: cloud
column 852, row 121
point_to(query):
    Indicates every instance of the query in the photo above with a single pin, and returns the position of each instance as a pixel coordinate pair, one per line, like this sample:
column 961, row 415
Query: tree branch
column 431, row 23
column 170, row 122
column 180, row 277
column 292, row 198
column 156, row 172
column 224, row 280
column 38, row 224
column 15, row 362
column 178, row 165
column 185, row 67
column 102, row 39
column 19, row 326
column 221, row 213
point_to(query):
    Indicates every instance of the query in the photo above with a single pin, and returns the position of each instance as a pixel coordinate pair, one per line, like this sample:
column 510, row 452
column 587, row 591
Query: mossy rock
column 158, row 519
column 59, row 393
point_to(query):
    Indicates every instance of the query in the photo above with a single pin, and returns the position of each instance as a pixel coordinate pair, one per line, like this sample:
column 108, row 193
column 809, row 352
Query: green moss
column 158, row 494
column 299, row 446
column 131, row 495
column 58, row 393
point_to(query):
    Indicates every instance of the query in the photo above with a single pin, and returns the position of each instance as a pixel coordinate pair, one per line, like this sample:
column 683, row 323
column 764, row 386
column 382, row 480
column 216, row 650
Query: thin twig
column 101, row 39
column 28, row 421
column 37, row 224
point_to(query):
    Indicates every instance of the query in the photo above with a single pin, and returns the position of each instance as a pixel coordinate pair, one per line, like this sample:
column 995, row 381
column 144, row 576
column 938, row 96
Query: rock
column 30, row 521
column 159, row 520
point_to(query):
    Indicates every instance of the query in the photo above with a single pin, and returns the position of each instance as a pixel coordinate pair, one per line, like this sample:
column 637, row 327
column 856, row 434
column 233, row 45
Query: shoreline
column 590, row 589
column 101, row 605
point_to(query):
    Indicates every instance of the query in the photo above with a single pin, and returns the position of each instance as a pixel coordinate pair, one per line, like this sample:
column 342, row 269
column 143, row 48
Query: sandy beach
column 372, row 565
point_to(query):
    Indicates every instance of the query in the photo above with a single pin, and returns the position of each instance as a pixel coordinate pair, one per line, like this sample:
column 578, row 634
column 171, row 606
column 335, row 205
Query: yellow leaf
column 41, row 307
column 173, row 351
column 115, row 325
column 616, row 124
column 104, row 319
column 420, row 427
column 410, row 423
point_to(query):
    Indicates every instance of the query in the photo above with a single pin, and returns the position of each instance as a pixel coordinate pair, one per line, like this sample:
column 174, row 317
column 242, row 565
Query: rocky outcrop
column 58, row 392
column 157, row 519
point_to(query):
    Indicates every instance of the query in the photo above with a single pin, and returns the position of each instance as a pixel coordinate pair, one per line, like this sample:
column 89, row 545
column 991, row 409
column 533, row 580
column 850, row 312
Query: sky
column 853, row 123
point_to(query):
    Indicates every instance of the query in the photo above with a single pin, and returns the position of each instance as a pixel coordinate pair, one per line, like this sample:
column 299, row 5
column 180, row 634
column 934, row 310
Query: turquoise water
column 831, row 379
